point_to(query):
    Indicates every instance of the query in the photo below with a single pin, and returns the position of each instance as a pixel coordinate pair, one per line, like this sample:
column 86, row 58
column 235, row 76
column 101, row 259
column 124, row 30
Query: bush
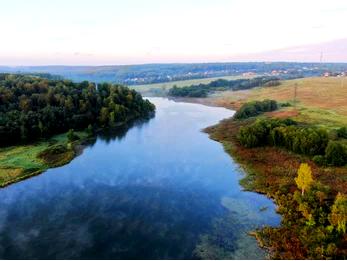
column 90, row 130
column 319, row 160
column 71, row 136
column 333, row 135
column 57, row 155
column 285, row 104
column 255, row 108
column 342, row 133
column 336, row 154
column 272, row 83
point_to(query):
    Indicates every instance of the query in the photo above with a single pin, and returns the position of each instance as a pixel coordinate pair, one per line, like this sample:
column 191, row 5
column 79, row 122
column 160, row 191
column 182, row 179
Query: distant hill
column 159, row 73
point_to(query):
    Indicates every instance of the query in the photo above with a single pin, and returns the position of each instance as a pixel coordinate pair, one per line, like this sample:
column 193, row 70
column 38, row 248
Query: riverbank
column 24, row 161
column 21, row 162
column 272, row 170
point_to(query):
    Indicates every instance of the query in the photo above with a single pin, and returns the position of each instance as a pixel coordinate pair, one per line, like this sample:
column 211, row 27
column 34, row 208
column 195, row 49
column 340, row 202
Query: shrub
column 319, row 160
column 255, row 108
column 272, row 83
column 71, row 136
column 90, row 130
column 342, row 133
column 333, row 135
column 336, row 154
column 285, row 104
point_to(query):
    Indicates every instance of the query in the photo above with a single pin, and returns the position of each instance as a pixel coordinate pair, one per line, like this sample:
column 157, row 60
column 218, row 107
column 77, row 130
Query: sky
column 104, row 32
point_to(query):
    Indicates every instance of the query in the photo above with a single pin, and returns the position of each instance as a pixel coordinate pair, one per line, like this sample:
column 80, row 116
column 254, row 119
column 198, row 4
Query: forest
column 32, row 107
column 202, row 90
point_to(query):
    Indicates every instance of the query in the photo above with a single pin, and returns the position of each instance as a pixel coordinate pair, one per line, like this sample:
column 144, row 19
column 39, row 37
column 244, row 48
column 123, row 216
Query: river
column 159, row 190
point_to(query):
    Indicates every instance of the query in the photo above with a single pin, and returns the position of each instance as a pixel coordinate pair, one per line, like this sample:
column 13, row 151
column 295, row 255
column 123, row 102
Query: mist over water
column 159, row 190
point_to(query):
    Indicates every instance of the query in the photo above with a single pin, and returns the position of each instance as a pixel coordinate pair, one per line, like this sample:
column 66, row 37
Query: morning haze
column 173, row 130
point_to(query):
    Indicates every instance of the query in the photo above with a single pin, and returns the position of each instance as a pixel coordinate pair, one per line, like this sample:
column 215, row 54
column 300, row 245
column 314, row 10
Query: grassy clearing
column 320, row 101
column 20, row 162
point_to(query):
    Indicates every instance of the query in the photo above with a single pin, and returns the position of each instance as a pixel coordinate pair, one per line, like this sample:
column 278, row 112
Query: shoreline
column 271, row 171
column 77, row 148
column 247, row 181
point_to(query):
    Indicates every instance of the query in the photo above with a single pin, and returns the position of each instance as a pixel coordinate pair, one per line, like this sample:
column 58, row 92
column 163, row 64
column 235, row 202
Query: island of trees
column 32, row 107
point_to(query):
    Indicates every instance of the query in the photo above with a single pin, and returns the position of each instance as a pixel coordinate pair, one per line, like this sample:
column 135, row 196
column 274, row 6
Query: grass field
column 319, row 101
column 22, row 161
column 161, row 88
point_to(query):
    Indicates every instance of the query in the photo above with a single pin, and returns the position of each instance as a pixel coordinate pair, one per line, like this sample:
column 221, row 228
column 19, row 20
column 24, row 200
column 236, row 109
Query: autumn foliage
column 304, row 179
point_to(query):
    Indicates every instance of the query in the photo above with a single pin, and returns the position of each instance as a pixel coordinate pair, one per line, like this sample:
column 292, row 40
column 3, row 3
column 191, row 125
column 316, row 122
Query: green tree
column 71, row 136
column 104, row 116
column 304, row 180
column 342, row 132
column 90, row 130
column 112, row 119
column 69, row 103
column 41, row 128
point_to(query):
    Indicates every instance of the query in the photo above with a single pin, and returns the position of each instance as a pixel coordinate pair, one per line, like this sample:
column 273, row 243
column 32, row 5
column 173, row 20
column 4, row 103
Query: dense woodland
column 33, row 107
column 202, row 90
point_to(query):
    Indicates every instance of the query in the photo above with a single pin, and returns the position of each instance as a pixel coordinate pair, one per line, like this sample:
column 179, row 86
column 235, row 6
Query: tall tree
column 304, row 180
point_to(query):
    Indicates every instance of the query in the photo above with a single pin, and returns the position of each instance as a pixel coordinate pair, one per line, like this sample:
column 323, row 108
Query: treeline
column 202, row 90
column 309, row 141
column 255, row 108
column 157, row 73
column 44, row 75
column 33, row 107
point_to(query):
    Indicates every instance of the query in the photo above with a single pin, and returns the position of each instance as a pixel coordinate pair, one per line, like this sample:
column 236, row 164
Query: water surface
column 160, row 190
